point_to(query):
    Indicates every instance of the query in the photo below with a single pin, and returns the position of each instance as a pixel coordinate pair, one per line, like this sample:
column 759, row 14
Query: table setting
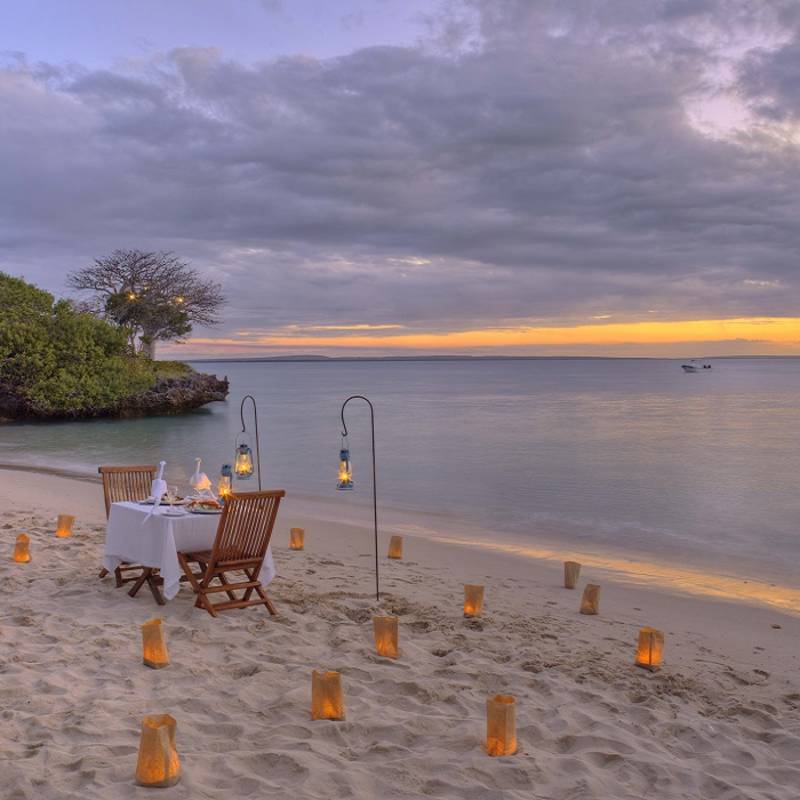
column 152, row 531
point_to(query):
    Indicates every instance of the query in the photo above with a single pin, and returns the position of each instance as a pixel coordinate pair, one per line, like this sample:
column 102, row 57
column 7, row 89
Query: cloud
column 524, row 163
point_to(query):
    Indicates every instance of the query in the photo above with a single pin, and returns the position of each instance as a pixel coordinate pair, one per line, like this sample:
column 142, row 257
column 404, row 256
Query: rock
column 166, row 396
column 174, row 395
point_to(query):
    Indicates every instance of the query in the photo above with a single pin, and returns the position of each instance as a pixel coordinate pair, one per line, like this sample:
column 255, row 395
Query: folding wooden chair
column 131, row 484
column 243, row 535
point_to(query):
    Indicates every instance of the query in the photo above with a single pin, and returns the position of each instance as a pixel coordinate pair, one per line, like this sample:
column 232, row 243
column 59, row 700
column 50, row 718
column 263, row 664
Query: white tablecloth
column 155, row 542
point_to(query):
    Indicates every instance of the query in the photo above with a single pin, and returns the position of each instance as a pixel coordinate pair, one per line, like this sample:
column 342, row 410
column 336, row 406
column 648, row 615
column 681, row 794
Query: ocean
column 630, row 457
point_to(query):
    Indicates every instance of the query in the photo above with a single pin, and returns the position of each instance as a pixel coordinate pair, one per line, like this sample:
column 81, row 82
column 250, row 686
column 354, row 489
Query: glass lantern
column 243, row 461
column 224, row 484
column 345, row 480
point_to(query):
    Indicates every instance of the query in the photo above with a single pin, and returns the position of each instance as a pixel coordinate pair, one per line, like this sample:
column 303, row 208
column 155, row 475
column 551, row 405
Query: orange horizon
column 758, row 335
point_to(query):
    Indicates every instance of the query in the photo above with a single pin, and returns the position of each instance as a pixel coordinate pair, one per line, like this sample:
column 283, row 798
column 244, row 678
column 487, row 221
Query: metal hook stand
column 374, row 480
column 244, row 430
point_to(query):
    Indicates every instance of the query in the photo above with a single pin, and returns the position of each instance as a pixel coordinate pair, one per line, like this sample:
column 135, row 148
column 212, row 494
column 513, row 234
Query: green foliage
column 171, row 369
column 60, row 360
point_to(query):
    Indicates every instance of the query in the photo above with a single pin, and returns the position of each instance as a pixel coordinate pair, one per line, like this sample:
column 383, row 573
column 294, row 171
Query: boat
column 695, row 366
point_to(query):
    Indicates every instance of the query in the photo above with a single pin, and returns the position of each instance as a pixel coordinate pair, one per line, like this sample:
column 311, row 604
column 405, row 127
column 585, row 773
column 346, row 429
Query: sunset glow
column 763, row 335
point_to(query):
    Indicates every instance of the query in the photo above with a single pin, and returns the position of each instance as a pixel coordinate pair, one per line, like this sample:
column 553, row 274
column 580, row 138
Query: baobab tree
column 154, row 296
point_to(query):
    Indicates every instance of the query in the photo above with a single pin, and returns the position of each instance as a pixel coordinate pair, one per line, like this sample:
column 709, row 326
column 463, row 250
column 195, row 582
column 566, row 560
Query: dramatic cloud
column 525, row 164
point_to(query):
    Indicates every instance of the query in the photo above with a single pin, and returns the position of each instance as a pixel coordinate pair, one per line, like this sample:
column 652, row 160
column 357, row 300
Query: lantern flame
column 243, row 462
column 297, row 538
column 385, row 630
column 22, row 549
column 396, row 547
column 501, row 726
column 650, row 650
column 473, row 600
column 327, row 699
column 345, row 478
column 64, row 525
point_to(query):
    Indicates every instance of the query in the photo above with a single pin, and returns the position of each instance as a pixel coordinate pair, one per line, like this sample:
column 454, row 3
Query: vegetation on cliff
column 57, row 361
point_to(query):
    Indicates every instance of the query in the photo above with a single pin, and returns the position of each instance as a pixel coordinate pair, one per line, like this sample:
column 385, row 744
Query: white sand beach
column 720, row 720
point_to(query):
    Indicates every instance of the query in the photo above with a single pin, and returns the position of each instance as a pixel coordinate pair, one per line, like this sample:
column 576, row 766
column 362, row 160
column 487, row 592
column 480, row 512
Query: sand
column 720, row 720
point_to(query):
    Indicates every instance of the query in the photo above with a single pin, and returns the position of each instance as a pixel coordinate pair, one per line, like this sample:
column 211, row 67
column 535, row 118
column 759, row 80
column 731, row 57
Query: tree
column 153, row 296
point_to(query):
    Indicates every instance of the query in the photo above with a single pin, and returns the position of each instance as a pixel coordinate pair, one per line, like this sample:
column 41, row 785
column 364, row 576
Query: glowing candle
column 385, row 630
column 327, row 699
column 22, row 549
column 64, row 525
column 297, row 538
column 396, row 547
column 154, row 647
column 501, row 726
column 158, row 763
column 473, row 600
column 650, row 651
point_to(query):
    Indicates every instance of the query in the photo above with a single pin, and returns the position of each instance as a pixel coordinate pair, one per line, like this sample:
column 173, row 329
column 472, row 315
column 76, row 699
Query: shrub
column 58, row 360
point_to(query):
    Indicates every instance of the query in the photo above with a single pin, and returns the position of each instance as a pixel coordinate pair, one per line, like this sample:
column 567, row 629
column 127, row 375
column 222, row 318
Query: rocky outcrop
column 167, row 396
column 175, row 395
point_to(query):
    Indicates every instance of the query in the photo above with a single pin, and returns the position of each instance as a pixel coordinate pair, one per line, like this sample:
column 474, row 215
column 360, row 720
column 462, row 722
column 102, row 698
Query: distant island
column 60, row 362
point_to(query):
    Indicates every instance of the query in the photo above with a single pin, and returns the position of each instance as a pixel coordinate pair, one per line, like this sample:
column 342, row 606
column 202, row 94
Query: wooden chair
column 121, row 484
column 243, row 535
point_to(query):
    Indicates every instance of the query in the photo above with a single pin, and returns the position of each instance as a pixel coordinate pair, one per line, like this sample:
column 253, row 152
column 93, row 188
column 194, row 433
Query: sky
column 518, row 177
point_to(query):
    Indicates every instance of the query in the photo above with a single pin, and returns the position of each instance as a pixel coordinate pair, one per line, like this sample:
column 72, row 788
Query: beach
column 719, row 720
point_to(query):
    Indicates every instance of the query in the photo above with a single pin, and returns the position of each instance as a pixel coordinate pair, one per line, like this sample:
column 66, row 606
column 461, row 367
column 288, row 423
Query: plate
column 205, row 510
column 173, row 512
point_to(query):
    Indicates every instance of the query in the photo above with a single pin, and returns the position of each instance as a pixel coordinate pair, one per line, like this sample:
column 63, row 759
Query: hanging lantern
column 64, row 526
column 501, row 726
column 385, row 630
column 590, row 602
column 345, row 480
column 158, row 763
column 327, row 700
column 224, row 486
column 473, row 600
column 154, row 647
column 297, row 538
column 22, row 549
column 243, row 467
column 572, row 570
column 396, row 547
column 650, row 652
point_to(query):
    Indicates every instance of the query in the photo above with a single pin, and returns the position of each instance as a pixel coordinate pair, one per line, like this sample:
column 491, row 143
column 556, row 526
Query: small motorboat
column 694, row 366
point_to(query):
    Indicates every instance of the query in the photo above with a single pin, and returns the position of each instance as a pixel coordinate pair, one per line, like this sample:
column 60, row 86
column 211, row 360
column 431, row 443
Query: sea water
column 630, row 456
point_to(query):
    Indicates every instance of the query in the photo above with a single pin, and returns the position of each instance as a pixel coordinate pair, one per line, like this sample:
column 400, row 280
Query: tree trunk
column 149, row 347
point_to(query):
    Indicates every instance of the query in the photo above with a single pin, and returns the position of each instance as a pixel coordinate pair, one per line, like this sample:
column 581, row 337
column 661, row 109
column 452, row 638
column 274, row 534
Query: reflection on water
column 633, row 457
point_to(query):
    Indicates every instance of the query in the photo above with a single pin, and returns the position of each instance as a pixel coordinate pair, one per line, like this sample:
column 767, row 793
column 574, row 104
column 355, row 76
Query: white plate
column 205, row 510
column 175, row 512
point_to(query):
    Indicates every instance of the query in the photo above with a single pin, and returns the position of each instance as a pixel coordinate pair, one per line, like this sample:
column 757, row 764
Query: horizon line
column 311, row 357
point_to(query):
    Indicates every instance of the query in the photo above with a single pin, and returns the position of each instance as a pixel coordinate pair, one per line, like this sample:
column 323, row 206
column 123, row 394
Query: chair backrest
column 126, row 483
column 245, row 526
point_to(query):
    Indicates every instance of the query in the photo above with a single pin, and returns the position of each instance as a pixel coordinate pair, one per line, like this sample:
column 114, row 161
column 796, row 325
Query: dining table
column 139, row 533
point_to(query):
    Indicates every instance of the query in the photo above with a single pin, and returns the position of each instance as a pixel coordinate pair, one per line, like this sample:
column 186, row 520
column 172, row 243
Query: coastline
column 542, row 552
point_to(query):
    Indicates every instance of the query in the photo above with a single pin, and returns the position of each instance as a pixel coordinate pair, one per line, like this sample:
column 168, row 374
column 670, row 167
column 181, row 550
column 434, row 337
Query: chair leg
column 140, row 581
column 103, row 573
column 155, row 589
column 262, row 594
